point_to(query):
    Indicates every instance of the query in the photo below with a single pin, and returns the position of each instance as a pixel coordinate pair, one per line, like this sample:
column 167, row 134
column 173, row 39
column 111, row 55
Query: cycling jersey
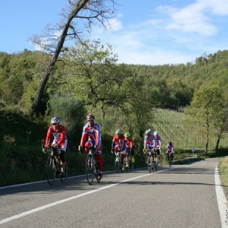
column 169, row 149
column 158, row 141
column 93, row 135
column 119, row 143
column 129, row 143
column 59, row 135
column 148, row 141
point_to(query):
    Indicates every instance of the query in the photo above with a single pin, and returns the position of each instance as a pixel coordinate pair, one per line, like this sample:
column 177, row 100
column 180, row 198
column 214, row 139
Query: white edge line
column 65, row 200
column 221, row 200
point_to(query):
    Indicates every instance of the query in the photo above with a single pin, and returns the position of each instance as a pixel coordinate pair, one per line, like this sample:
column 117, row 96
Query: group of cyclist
column 123, row 144
column 91, row 138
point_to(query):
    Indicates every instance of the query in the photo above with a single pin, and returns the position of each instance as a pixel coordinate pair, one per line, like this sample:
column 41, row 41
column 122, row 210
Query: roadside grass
column 223, row 171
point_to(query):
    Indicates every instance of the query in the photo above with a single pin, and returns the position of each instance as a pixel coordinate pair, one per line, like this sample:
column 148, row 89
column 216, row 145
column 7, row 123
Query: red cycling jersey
column 119, row 142
column 59, row 135
column 129, row 143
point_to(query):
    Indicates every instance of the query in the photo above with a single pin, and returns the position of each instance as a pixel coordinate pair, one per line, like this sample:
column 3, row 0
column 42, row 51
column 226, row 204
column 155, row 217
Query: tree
column 91, row 11
column 207, row 113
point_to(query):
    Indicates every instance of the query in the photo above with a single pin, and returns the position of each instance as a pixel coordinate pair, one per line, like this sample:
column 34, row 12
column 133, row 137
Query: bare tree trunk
column 36, row 103
column 208, row 126
column 206, row 148
column 217, row 145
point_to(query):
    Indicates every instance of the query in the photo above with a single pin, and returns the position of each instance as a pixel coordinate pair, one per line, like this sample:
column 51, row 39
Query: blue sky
column 152, row 32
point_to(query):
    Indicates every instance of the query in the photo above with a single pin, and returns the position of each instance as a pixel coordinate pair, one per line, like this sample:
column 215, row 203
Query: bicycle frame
column 128, row 161
column 117, row 162
column 91, row 169
column 150, row 160
column 170, row 158
column 53, row 166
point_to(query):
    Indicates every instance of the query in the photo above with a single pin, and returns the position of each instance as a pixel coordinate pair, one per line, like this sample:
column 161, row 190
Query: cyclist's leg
column 88, row 144
column 99, row 161
column 158, row 156
column 62, row 162
column 62, row 157
column 123, row 156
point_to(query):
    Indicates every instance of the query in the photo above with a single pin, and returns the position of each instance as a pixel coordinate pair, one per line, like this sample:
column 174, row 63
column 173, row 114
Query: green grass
column 223, row 171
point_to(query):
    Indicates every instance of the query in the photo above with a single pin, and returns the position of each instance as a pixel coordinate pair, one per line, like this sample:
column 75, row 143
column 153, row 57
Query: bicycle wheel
column 64, row 178
column 127, row 166
column 117, row 165
column 96, row 173
column 132, row 166
column 149, row 165
column 170, row 160
column 50, row 170
column 89, row 169
column 156, row 164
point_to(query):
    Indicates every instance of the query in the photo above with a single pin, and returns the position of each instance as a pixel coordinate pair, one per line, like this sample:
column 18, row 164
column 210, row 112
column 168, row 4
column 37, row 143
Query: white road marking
column 65, row 200
column 221, row 200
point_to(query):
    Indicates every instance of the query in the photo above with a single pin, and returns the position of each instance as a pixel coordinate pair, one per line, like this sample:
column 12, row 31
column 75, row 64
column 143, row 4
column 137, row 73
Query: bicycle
column 155, row 158
column 150, row 164
column 91, row 166
column 128, row 160
column 117, row 162
column 53, row 165
column 170, row 158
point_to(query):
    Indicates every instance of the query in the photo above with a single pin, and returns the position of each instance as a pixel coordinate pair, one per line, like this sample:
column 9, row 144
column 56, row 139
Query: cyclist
column 148, row 141
column 118, row 143
column 91, row 137
column 58, row 131
column 170, row 149
column 129, row 145
column 158, row 144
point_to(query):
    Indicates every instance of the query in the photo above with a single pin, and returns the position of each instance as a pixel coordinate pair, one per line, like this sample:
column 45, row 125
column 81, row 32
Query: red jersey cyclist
column 129, row 145
column 91, row 137
column 118, row 143
column 58, row 131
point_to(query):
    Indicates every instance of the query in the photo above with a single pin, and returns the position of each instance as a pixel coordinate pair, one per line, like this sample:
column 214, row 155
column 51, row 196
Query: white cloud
column 115, row 24
column 190, row 19
column 158, row 57
column 170, row 35
column 218, row 7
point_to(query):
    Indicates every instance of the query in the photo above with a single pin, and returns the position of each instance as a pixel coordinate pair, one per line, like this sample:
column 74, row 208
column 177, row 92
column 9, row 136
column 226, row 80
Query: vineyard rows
column 170, row 126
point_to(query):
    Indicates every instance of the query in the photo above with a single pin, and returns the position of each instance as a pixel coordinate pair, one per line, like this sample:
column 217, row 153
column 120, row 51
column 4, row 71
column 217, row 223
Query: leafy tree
column 207, row 113
column 78, row 10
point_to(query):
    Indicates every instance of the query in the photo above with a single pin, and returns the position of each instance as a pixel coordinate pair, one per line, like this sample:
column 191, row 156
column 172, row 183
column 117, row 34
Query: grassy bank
column 223, row 171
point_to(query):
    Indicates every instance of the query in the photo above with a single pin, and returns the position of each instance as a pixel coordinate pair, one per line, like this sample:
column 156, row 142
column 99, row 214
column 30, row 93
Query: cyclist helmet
column 90, row 117
column 170, row 143
column 118, row 131
column 156, row 133
column 148, row 132
column 127, row 134
column 55, row 120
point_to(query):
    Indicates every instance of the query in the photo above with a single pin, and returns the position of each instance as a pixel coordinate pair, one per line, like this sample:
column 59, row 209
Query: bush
column 72, row 114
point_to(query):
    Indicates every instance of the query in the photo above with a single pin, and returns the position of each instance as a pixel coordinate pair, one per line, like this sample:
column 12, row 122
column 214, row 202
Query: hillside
column 170, row 125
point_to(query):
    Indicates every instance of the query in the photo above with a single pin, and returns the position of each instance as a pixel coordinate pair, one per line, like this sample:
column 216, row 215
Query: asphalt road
column 180, row 196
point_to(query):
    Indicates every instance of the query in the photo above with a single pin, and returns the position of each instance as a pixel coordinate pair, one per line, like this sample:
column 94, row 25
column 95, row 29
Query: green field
column 170, row 125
